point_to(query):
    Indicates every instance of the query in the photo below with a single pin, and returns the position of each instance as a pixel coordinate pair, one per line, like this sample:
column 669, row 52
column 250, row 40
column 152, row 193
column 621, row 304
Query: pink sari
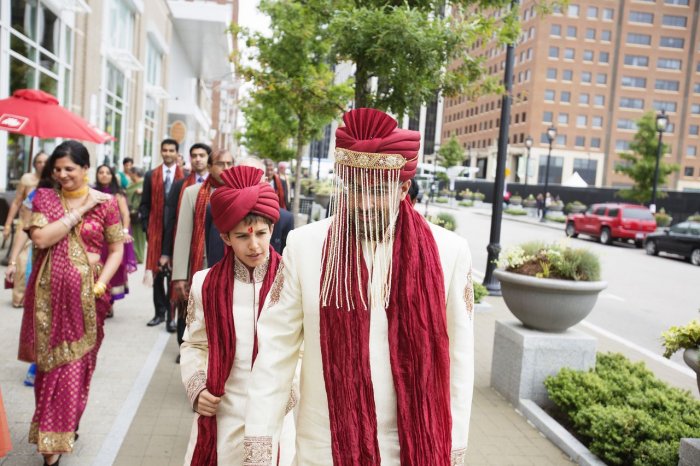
column 62, row 323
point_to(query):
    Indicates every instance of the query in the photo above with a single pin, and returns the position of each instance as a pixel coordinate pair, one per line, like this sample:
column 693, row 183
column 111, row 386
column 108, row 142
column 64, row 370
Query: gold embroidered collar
column 241, row 272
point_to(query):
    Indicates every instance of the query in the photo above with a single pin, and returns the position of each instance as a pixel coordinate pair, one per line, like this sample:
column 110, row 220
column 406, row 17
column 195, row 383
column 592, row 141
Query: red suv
column 613, row 221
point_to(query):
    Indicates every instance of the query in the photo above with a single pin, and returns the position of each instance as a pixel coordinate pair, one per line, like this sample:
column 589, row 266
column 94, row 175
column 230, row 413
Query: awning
column 575, row 181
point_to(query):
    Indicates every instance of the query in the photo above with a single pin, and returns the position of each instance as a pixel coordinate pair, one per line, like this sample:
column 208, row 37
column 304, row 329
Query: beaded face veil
column 365, row 203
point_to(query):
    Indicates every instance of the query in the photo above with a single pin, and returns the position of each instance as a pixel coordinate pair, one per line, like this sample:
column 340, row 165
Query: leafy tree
column 413, row 52
column 293, row 80
column 639, row 164
column 268, row 132
column 451, row 154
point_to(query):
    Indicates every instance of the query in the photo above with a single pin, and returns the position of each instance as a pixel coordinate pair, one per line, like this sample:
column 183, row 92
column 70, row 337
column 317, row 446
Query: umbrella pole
column 31, row 153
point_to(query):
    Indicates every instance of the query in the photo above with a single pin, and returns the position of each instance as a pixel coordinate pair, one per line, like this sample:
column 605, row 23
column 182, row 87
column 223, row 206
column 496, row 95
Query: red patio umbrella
column 36, row 113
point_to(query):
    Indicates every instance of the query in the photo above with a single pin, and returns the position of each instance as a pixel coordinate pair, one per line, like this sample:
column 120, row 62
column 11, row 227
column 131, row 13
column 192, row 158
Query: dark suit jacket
column 170, row 214
column 279, row 235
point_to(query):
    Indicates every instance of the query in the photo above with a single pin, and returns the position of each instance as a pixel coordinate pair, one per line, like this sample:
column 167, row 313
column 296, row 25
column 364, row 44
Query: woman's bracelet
column 13, row 263
column 99, row 289
column 125, row 231
column 71, row 219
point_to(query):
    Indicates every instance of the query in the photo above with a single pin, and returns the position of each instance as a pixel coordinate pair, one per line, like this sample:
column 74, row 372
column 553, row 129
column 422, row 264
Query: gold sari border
column 51, row 442
column 38, row 220
column 114, row 233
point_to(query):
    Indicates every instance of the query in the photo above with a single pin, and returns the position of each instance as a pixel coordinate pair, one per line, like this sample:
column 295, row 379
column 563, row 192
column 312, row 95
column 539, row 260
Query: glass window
column 121, row 25
column 597, row 121
column 114, row 112
column 638, row 39
column 154, row 60
column 641, row 17
column 588, row 55
column 547, row 117
column 693, row 130
column 604, row 57
column 563, row 119
column 586, row 77
column 672, row 42
column 608, row 14
column 586, row 169
column 637, row 214
column 599, row 211
column 571, row 31
column 675, row 21
column 668, row 64
column 553, row 51
column 625, row 123
column 696, row 88
column 567, row 75
column 592, row 12
column 569, row 53
column 590, row 33
column 599, row 100
column 621, row 144
column 551, row 73
column 691, row 151
column 565, row 96
column 633, row 81
column 549, row 94
column 555, row 30
column 584, row 98
column 601, row 78
column 629, row 102
column 681, row 228
column 695, row 109
column 676, row 2
column 606, row 35
column 573, row 10
column 688, row 171
column 595, row 143
column 667, row 85
column 581, row 120
column 561, row 139
column 636, row 60
column 580, row 141
column 556, row 164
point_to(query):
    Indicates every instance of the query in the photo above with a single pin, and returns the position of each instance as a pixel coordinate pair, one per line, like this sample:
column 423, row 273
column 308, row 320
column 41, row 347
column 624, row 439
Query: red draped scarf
column 200, row 216
column 419, row 354
column 279, row 189
column 217, row 302
column 155, row 217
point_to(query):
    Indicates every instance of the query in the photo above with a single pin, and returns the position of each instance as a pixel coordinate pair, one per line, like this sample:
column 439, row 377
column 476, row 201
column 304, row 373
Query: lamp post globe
column 528, row 145
column 661, row 125
column 551, row 136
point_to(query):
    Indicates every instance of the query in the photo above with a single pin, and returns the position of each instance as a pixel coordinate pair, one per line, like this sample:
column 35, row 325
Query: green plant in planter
column 480, row 292
column 442, row 200
column 307, row 186
column 466, row 193
column 444, row 192
column 694, row 218
column 516, row 198
column 681, row 337
column 530, row 201
column 541, row 260
column 443, row 219
column 662, row 218
column 466, row 203
column 324, row 188
column 477, row 196
column 575, row 206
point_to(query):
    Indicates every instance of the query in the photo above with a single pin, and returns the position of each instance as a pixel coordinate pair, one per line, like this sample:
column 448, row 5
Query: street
column 645, row 294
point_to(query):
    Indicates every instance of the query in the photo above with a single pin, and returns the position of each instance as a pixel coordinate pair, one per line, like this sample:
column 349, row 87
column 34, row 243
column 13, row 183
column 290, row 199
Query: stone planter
column 690, row 356
column 516, row 200
column 577, row 208
column 323, row 200
column 556, row 207
column 546, row 304
column 529, row 203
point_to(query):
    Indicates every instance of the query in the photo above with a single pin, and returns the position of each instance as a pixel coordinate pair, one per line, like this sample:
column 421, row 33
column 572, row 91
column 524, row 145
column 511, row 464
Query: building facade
column 591, row 70
column 137, row 69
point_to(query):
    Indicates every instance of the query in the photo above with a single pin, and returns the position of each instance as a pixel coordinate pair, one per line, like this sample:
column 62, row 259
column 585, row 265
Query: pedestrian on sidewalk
column 540, row 204
column 118, row 287
column 220, row 342
column 156, row 187
column 67, row 300
column 133, row 195
column 382, row 302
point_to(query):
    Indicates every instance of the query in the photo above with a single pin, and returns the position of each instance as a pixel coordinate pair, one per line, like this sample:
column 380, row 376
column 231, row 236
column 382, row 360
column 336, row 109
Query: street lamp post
column 661, row 124
column 551, row 136
column 528, row 144
column 494, row 246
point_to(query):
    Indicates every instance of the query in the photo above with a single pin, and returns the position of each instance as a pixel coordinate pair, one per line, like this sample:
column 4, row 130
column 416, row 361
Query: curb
column 558, row 226
column 557, row 434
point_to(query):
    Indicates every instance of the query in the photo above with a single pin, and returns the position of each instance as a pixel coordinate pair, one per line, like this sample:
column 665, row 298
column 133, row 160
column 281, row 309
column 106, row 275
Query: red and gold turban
column 241, row 194
column 371, row 139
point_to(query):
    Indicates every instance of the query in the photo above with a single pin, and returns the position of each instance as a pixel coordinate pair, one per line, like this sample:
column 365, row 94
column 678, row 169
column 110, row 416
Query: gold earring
column 86, row 179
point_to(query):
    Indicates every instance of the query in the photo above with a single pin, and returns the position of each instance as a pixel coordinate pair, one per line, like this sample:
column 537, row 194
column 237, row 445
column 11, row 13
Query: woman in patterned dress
column 66, row 299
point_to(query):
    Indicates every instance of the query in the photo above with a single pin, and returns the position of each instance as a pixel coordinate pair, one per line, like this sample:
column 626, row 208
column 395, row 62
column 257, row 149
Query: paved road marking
column 649, row 354
column 115, row 438
column 614, row 297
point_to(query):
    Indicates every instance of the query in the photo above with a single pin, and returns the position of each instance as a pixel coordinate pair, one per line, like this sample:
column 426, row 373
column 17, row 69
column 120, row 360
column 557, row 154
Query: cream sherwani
column 194, row 361
column 184, row 232
column 292, row 318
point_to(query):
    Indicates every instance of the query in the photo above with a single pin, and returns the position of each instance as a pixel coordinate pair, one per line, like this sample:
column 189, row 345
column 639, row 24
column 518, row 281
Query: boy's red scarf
column 419, row 354
column 155, row 217
column 217, row 303
column 198, row 233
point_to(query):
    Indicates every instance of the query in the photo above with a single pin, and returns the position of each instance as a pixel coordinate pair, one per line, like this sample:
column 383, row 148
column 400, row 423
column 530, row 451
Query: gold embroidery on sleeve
column 190, row 309
column 38, row 220
column 114, row 233
column 257, row 451
column 277, row 285
column 469, row 294
column 195, row 385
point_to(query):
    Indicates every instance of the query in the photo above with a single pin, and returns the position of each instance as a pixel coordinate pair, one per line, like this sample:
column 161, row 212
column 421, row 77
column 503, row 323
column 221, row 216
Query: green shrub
column 515, row 211
column 662, row 218
column 694, row 218
column 442, row 200
column 443, row 219
column 574, row 206
column 480, row 292
column 556, row 218
column 677, row 338
column 477, row 196
column 466, row 203
column 623, row 413
column 466, row 193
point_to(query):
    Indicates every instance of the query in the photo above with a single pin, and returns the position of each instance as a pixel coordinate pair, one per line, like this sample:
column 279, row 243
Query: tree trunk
column 297, row 172
column 361, row 85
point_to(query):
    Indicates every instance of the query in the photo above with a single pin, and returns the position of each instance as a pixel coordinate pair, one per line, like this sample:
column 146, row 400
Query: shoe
column 156, row 321
column 177, row 359
column 171, row 326
column 110, row 314
column 55, row 463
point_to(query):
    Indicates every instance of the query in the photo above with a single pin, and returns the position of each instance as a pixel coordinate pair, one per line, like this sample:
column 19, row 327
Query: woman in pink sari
column 66, row 299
